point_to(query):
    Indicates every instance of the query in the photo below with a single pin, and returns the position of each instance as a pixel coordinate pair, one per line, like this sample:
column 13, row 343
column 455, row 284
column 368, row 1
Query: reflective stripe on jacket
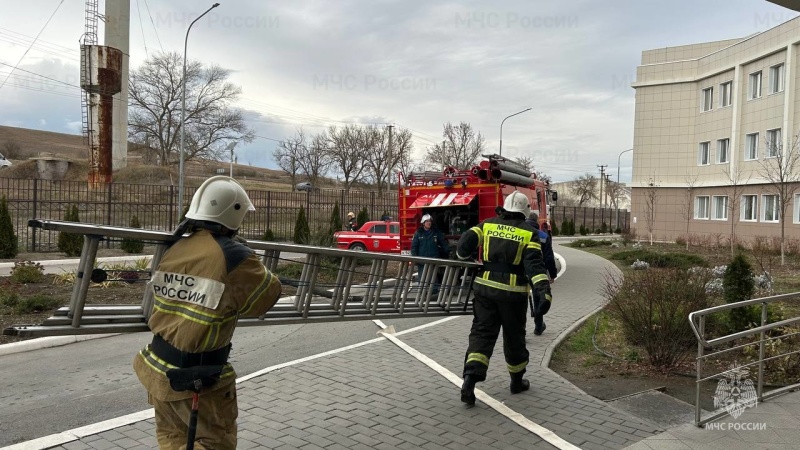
column 202, row 285
column 505, row 242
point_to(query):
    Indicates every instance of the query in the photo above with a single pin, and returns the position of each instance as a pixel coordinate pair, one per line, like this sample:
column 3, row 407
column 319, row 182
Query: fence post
column 35, row 205
column 108, row 211
column 269, row 208
column 171, row 213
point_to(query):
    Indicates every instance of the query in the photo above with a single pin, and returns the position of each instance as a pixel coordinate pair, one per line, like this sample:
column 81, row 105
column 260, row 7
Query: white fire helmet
column 222, row 200
column 517, row 202
column 425, row 218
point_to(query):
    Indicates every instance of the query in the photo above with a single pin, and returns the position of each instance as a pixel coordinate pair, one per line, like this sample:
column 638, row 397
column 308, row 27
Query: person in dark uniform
column 429, row 242
column 512, row 264
column 546, row 240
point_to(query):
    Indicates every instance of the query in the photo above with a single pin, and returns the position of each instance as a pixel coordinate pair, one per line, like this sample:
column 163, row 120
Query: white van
column 4, row 162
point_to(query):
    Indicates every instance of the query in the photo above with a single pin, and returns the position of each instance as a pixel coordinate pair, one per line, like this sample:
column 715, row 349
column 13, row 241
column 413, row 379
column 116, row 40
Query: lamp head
column 215, row 5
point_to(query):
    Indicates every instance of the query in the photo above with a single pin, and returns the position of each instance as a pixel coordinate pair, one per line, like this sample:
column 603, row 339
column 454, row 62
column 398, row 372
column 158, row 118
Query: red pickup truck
column 375, row 236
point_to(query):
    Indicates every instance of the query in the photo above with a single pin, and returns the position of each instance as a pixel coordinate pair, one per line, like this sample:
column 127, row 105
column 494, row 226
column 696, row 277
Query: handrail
column 697, row 321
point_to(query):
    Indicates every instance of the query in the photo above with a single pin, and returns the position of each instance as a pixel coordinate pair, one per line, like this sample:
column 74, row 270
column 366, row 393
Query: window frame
column 725, row 94
column 754, row 91
column 713, row 211
column 796, row 209
column 707, row 96
column 780, row 69
column 743, row 208
column 701, row 146
column 769, row 147
column 697, row 208
column 747, row 139
column 727, row 142
column 776, row 211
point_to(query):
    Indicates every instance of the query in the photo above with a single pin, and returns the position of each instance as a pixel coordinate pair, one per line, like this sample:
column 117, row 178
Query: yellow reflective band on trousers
column 478, row 357
column 518, row 368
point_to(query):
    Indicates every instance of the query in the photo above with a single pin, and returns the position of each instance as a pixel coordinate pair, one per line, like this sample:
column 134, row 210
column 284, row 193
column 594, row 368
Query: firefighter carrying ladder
column 389, row 291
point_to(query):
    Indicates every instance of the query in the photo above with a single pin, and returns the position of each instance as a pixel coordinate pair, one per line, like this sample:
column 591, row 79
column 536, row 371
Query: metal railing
column 708, row 348
column 384, row 294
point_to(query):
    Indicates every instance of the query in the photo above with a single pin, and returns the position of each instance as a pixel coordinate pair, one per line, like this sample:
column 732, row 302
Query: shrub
column 70, row 243
column 27, row 272
column 680, row 240
column 737, row 285
column 335, row 223
column 129, row 245
column 9, row 245
column 583, row 230
column 302, row 234
column 618, row 230
column 662, row 260
column 9, row 298
column 554, row 229
column 269, row 236
column 362, row 217
column 35, row 303
column 565, row 228
column 652, row 306
column 590, row 243
column 604, row 228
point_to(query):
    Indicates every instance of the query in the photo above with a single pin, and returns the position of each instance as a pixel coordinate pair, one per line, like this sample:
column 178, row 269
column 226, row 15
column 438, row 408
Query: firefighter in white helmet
column 352, row 224
column 512, row 262
column 202, row 285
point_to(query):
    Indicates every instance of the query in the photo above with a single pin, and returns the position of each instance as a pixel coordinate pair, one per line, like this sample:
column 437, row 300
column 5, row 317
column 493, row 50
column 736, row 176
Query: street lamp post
column 618, row 160
column 183, row 114
column 230, row 147
column 501, row 128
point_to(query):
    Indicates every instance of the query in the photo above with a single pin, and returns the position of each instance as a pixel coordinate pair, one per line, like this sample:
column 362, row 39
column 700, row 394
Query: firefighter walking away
column 202, row 285
column 512, row 264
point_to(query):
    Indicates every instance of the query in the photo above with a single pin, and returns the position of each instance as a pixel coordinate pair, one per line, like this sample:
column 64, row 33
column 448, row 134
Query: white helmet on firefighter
column 350, row 214
column 517, row 202
column 222, row 200
column 425, row 218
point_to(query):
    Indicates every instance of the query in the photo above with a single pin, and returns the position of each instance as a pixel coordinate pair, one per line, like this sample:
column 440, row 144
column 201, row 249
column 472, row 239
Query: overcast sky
column 414, row 64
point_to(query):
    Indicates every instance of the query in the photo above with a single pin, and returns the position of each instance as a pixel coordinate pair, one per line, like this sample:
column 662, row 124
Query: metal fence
column 591, row 218
column 155, row 208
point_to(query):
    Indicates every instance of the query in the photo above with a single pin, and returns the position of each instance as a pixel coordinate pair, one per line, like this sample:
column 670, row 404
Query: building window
column 770, row 208
column 773, row 143
column 723, row 149
column 708, row 99
column 703, row 156
column 719, row 207
column 796, row 208
column 751, row 147
column 749, row 207
column 725, row 91
column 755, row 85
column 701, row 207
column 776, row 79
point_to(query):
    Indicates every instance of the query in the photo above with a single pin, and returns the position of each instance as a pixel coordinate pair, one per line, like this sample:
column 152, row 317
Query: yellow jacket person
column 202, row 285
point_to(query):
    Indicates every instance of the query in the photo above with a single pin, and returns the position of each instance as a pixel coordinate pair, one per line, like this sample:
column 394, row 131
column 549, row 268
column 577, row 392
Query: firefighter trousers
column 216, row 421
column 488, row 317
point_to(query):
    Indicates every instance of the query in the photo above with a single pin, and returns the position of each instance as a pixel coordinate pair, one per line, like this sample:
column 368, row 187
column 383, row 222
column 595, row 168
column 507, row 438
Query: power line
column 141, row 27
column 34, row 41
column 154, row 25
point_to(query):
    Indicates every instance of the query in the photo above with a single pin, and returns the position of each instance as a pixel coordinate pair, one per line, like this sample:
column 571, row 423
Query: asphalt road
column 56, row 389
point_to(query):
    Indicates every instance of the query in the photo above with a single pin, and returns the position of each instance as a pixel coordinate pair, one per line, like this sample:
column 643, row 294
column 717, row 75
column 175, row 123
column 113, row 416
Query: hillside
column 36, row 143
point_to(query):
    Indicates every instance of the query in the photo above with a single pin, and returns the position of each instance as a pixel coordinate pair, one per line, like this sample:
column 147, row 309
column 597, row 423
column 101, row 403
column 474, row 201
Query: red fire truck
column 460, row 199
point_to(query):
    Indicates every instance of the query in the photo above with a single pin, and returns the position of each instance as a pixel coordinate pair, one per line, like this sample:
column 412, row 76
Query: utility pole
column 607, row 198
column 602, row 178
column 391, row 155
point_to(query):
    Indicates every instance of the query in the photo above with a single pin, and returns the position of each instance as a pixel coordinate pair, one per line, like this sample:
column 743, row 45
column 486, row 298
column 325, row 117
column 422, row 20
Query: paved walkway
column 402, row 392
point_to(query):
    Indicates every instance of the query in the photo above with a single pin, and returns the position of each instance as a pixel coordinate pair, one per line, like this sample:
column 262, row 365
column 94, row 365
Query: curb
column 47, row 342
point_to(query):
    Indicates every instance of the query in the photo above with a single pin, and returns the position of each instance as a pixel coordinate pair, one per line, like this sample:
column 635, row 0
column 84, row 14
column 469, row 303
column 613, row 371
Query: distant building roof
column 791, row 4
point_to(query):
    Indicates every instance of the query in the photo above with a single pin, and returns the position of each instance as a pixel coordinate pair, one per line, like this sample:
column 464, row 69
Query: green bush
column 652, row 306
column 363, row 216
column 578, row 243
column 618, row 230
column 302, row 234
column 335, row 223
column 9, row 244
column 662, row 260
column 27, row 272
column 9, row 298
column 565, row 228
column 583, row 231
column 554, row 229
column 129, row 245
column 603, row 228
column 35, row 303
column 738, row 285
column 70, row 243
column 269, row 236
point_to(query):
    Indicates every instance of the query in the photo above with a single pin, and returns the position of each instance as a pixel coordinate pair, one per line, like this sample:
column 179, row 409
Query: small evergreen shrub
column 603, row 228
column 9, row 244
column 27, row 272
column 363, row 216
column 583, row 230
column 70, row 243
column 565, row 228
column 36, row 303
column 618, row 230
column 554, row 229
column 302, row 234
column 737, row 285
column 129, row 245
column 269, row 236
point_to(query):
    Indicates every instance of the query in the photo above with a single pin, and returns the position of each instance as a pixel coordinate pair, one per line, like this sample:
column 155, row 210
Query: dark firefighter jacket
column 429, row 244
column 547, row 250
column 202, row 285
column 511, row 255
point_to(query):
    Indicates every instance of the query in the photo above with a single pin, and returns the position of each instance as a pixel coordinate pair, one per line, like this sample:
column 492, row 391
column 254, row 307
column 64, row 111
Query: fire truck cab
column 460, row 199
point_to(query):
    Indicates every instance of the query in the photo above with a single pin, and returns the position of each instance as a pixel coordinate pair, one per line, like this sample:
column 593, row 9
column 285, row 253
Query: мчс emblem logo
column 735, row 392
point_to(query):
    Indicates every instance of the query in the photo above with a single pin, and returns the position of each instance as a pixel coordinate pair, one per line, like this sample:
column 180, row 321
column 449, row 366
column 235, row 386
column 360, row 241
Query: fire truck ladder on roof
column 383, row 294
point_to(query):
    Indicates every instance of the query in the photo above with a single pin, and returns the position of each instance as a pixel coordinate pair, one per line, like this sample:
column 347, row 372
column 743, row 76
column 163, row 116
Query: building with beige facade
column 712, row 121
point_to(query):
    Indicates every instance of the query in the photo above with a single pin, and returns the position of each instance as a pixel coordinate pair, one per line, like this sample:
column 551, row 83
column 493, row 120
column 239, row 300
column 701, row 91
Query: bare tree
column 734, row 192
column 527, row 163
column 211, row 123
column 346, row 149
column 650, row 202
column 585, row 188
column 460, row 149
column 12, row 150
column 287, row 155
column 781, row 170
column 614, row 192
column 383, row 157
column 314, row 158
column 687, row 205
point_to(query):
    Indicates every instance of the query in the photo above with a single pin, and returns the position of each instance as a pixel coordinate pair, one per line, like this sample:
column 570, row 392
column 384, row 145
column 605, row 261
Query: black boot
column 540, row 326
column 468, row 390
column 518, row 384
